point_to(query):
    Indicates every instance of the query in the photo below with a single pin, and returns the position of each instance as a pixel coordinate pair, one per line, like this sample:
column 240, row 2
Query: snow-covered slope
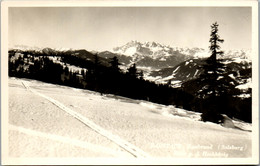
column 39, row 126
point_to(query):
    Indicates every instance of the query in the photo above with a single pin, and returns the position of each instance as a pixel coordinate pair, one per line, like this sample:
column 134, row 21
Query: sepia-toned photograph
column 90, row 82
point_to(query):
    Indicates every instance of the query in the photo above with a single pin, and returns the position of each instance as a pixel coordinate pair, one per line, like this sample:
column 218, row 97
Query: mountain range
column 159, row 63
column 156, row 51
column 150, row 54
column 156, row 56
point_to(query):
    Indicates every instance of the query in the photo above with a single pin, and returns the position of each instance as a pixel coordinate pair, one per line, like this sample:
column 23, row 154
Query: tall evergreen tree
column 212, row 68
column 213, row 88
column 214, row 42
column 216, row 85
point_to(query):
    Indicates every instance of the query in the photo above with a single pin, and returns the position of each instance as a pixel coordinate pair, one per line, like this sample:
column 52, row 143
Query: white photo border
column 6, row 160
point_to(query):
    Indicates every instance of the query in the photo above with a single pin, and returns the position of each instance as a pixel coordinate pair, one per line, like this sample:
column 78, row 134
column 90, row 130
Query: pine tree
column 215, row 83
column 213, row 68
column 215, row 76
column 214, row 43
column 214, row 87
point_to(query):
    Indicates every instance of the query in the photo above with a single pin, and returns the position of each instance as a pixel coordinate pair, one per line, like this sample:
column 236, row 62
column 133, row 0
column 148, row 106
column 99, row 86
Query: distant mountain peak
column 35, row 48
column 157, row 50
column 153, row 44
column 152, row 49
column 25, row 47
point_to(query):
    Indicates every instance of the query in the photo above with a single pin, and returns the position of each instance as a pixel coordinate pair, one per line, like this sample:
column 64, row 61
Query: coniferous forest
column 206, row 94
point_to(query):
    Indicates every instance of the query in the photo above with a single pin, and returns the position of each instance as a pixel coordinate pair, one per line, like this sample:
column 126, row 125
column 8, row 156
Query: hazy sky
column 102, row 28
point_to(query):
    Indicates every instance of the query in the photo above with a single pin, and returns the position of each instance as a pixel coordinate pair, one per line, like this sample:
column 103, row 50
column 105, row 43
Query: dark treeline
column 93, row 76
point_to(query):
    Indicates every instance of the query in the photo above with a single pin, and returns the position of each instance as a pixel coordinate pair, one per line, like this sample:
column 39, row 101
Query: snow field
column 58, row 146
column 142, row 124
column 125, row 145
column 28, row 112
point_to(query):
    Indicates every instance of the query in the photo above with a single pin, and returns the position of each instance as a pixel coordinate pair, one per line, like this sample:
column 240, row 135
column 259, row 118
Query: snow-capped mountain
column 149, row 54
column 156, row 51
column 162, row 63
column 153, row 49
column 25, row 48
column 159, row 56
column 39, row 49
column 244, row 54
column 159, row 51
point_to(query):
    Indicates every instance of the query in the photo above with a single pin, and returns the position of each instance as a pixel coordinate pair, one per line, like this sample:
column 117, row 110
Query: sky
column 103, row 28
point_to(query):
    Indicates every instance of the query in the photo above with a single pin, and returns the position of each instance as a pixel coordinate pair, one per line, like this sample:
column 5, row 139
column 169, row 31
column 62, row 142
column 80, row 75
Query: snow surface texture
column 47, row 120
column 130, row 148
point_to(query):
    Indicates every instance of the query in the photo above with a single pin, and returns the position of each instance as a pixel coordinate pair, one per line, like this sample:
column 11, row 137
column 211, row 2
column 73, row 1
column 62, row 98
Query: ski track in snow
column 135, row 151
column 66, row 140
